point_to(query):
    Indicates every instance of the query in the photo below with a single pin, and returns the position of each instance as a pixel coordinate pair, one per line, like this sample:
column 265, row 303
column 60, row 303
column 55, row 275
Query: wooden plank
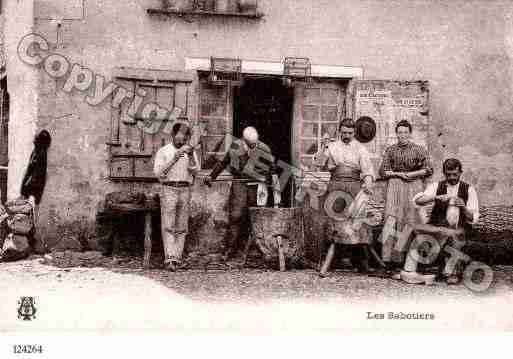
column 143, row 167
column 147, row 239
column 153, row 75
column 180, row 99
column 180, row 13
column 121, row 167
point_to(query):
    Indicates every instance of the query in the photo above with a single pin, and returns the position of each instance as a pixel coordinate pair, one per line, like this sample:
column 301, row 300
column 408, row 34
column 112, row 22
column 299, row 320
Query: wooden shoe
column 452, row 280
column 417, row 278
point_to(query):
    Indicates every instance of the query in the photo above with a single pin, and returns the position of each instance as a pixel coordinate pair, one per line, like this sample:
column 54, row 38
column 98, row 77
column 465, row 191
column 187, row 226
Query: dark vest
column 438, row 215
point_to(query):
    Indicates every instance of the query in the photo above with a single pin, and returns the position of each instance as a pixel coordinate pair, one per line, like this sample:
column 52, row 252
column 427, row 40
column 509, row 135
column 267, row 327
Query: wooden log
column 147, row 239
column 267, row 223
column 327, row 261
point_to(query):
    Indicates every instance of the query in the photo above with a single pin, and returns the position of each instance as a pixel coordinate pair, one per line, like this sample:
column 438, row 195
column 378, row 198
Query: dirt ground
column 86, row 291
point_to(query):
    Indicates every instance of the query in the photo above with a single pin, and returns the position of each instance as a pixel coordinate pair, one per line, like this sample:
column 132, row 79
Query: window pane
column 165, row 97
column 329, row 113
column 213, row 102
column 329, row 128
column 309, row 147
column 215, row 126
column 312, row 95
column 214, row 143
column 310, row 129
column 330, row 96
column 311, row 113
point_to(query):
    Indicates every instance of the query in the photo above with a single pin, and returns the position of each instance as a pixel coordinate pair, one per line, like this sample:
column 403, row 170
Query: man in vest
column 251, row 163
column 449, row 192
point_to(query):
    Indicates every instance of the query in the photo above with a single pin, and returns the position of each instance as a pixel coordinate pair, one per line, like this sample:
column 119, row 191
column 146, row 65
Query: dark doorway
column 266, row 104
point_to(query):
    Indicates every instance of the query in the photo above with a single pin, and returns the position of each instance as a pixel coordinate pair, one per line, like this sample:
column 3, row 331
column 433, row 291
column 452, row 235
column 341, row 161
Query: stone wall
column 463, row 48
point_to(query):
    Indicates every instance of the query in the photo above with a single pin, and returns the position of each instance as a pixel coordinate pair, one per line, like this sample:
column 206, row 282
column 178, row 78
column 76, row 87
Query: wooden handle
column 327, row 261
column 280, row 253
column 376, row 257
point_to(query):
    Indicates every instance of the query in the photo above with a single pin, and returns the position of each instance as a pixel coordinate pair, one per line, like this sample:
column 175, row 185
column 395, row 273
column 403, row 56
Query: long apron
column 342, row 230
column 399, row 205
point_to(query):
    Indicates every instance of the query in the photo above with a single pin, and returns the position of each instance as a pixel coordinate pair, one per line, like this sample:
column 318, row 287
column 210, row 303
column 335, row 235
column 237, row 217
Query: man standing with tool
column 176, row 164
column 251, row 164
column 351, row 171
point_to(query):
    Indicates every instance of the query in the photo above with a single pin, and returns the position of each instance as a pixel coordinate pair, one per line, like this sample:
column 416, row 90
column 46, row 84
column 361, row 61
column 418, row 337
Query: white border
column 276, row 68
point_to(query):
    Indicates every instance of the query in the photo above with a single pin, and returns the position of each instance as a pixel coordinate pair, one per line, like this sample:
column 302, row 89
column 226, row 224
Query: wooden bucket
column 268, row 223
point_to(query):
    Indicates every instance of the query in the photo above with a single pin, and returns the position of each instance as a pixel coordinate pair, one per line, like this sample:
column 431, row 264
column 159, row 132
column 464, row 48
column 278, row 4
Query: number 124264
column 27, row 349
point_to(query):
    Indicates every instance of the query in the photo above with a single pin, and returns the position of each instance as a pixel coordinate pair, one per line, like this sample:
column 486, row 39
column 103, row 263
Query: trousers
column 174, row 207
column 242, row 196
column 447, row 240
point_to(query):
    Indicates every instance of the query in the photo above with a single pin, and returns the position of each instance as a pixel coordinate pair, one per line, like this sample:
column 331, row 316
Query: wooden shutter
column 132, row 148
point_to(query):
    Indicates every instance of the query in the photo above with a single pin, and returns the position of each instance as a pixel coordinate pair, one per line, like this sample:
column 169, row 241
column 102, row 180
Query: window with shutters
column 215, row 114
column 319, row 107
column 135, row 140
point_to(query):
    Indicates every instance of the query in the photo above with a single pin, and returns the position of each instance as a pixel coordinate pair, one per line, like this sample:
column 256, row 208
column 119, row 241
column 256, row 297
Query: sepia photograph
column 255, row 166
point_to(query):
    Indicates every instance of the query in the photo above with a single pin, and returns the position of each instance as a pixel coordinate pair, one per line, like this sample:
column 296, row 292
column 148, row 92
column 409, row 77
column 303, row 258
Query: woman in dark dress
column 405, row 166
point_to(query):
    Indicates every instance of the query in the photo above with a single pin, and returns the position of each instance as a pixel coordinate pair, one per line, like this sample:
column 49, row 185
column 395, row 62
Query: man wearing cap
column 351, row 170
column 251, row 163
column 176, row 164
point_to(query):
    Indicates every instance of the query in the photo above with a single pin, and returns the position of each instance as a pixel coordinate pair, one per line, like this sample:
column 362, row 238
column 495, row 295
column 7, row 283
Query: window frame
column 228, row 117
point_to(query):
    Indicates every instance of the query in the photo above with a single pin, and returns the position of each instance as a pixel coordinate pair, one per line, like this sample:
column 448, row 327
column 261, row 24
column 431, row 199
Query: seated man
column 444, row 226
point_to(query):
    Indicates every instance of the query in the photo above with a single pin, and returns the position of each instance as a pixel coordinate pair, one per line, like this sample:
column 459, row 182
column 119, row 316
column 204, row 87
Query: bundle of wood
column 495, row 219
column 19, row 214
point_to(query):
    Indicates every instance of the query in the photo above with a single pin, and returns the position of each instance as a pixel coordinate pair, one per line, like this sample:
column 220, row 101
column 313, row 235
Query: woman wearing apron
column 405, row 166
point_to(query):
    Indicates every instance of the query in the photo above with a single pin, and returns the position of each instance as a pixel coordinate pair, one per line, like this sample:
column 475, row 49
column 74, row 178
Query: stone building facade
column 445, row 65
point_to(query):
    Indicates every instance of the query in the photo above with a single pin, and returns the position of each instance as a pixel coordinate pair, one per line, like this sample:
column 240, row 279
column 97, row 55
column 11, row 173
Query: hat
column 43, row 138
column 365, row 129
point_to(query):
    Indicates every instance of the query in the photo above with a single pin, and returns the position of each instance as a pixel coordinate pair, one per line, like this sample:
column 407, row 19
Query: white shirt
column 352, row 154
column 472, row 202
column 180, row 171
